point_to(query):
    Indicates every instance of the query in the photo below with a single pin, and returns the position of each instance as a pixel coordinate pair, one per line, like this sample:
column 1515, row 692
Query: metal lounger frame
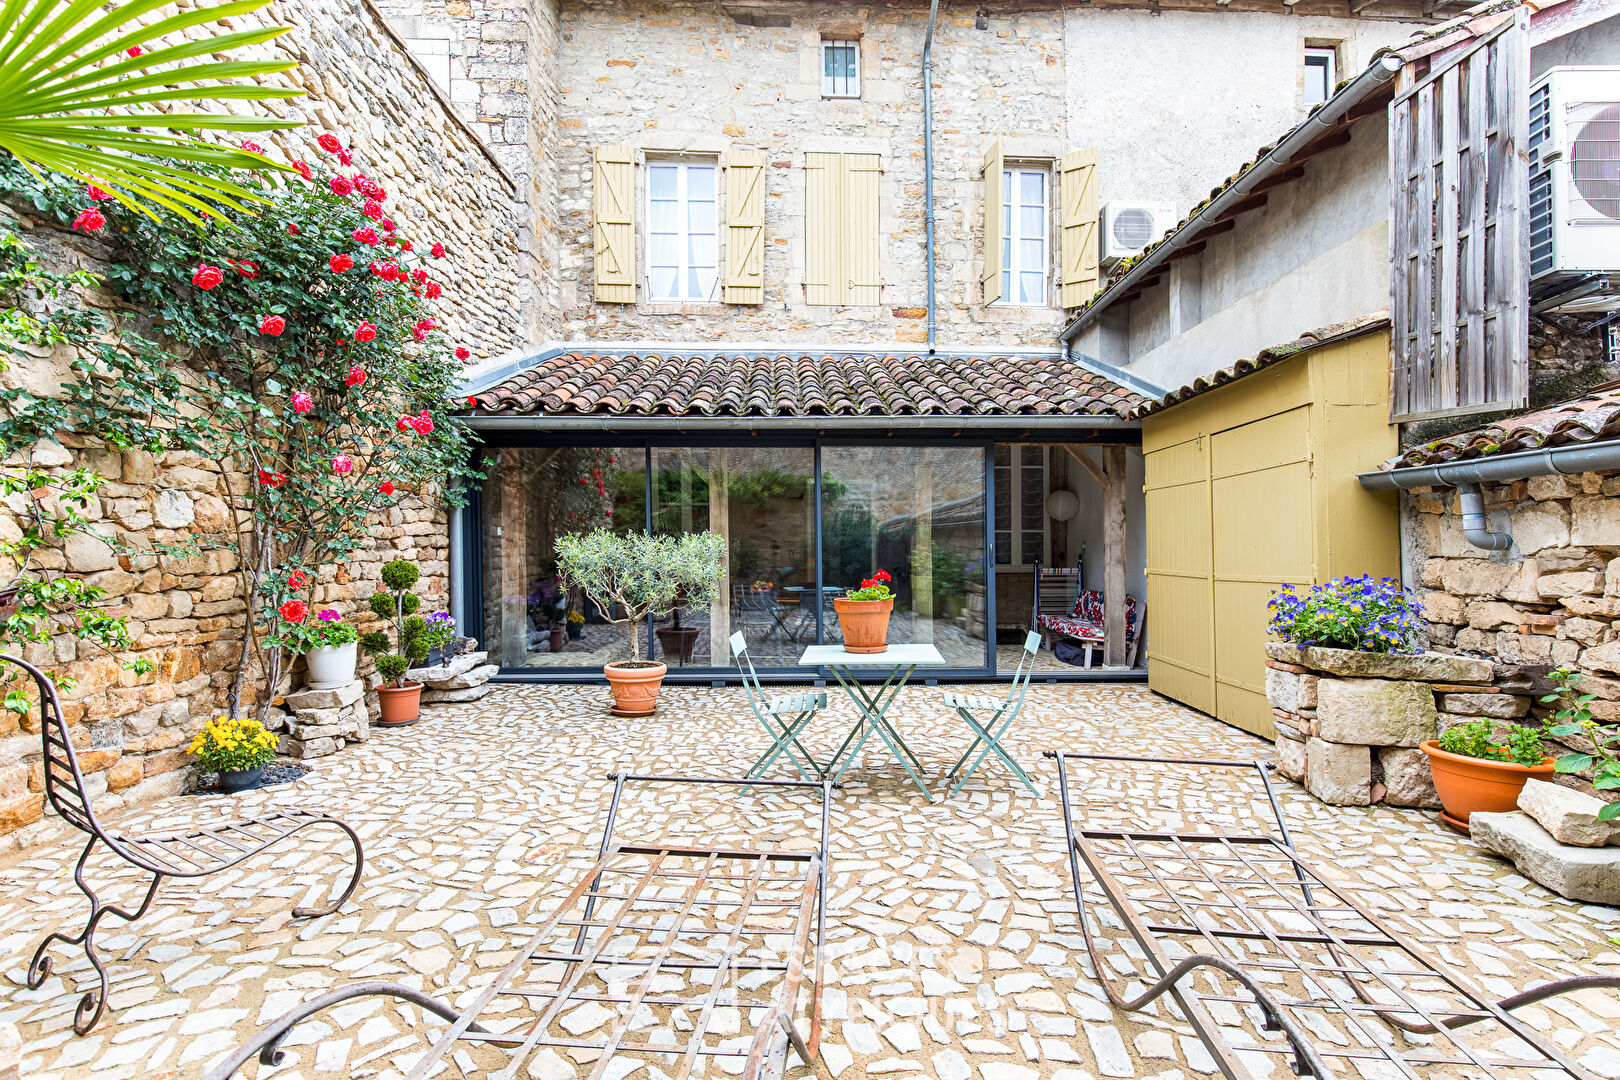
column 1296, row 946
column 627, row 876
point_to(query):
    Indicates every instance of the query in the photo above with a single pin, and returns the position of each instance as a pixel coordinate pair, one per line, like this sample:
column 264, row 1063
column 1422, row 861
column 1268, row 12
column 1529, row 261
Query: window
column 840, row 69
column 1020, row 504
column 1321, row 73
column 434, row 56
column 682, row 249
column 1024, row 259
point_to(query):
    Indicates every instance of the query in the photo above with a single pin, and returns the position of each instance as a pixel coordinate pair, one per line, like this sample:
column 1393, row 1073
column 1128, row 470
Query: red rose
column 355, row 377
column 372, row 209
column 303, row 170
column 423, row 423
column 404, row 245
column 135, row 50
column 419, row 276
column 389, row 226
column 365, row 332
column 462, row 353
column 302, row 402
column 367, row 236
column 292, row 230
column 96, row 193
column 205, row 277
column 272, row 325
column 387, row 487
column 406, row 423
column 246, row 269
column 434, row 290
column 343, row 464
column 252, row 147
column 438, row 251
column 272, row 479
column 345, row 157
column 340, row 185
column 294, row 611
column 298, row 579
column 472, row 401
column 340, row 263
column 370, row 188
column 330, row 144
column 89, row 220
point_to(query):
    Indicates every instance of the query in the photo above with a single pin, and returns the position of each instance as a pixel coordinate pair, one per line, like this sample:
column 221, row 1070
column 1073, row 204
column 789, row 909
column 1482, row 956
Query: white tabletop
column 893, row 656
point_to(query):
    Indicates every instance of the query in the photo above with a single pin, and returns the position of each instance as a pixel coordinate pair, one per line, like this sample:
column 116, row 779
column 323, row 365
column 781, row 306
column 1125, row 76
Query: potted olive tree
column 632, row 577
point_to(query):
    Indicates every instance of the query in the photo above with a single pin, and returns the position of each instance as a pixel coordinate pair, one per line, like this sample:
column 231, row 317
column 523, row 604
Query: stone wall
column 186, row 614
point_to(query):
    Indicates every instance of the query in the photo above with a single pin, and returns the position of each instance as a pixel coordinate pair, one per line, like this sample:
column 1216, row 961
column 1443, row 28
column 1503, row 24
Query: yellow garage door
column 1232, row 522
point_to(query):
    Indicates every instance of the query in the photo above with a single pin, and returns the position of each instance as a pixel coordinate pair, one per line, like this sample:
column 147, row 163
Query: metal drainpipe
column 1471, row 504
column 928, row 159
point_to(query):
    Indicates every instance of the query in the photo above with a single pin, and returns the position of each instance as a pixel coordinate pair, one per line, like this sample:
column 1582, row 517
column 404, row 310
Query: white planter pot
column 332, row 666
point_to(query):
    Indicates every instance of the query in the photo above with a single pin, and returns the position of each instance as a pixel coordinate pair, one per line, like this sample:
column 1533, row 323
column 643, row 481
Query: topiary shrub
column 394, row 602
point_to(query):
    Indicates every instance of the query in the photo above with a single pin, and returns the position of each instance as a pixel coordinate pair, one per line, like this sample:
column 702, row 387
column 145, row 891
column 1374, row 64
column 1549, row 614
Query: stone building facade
column 187, row 614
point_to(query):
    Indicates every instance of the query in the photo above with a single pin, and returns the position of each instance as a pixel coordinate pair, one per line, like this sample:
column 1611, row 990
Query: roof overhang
column 609, row 423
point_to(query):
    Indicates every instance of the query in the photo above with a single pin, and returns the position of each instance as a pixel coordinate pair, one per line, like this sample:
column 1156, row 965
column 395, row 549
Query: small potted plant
column 863, row 614
column 439, row 633
column 1574, row 718
column 1474, row 772
column 331, row 650
column 678, row 640
column 576, row 624
column 632, row 577
column 400, row 701
column 238, row 750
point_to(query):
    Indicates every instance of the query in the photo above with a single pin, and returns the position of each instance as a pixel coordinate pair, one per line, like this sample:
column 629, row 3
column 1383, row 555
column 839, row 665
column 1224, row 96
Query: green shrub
column 411, row 632
column 1475, row 739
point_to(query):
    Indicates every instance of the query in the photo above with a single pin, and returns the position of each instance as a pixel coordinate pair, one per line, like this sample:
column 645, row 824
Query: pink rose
column 365, row 332
column 343, row 464
column 355, row 377
column 302, row 402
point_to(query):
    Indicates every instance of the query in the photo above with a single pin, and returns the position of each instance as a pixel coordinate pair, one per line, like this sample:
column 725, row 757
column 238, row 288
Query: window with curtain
column 1025, row 196
column 840, row 69
column 682, row 226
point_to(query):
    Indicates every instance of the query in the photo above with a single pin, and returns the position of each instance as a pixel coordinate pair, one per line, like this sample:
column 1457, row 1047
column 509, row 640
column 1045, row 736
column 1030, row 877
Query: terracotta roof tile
column 1594, row 417
column 788, row 384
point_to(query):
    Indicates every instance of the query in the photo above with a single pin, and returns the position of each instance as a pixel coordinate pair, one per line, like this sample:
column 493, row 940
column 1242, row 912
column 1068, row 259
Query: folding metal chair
column 773, row 714
column 1003, row 711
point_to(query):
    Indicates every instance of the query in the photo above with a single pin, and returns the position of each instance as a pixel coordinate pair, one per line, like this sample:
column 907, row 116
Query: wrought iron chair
column 1003, row 711
column 782, row 717
column 186, row 855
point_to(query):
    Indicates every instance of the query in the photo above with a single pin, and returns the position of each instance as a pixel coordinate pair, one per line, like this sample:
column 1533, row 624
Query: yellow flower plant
column 227, row 745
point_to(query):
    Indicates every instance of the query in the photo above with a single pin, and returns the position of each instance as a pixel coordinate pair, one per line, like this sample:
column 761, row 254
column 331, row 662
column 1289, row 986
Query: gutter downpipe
column 1354, row 92
column 928, row 161
column 1466, row 476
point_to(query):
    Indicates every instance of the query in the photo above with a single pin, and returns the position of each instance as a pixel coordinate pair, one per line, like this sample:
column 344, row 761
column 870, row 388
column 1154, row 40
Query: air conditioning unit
column 1575, row 189
column 1129, row 227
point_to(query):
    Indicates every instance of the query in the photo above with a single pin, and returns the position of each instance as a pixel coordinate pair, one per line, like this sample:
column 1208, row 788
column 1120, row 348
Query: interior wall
column 1086, row 527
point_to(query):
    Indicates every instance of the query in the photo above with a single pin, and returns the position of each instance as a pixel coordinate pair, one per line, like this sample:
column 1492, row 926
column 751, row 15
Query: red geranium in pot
column 863, row 614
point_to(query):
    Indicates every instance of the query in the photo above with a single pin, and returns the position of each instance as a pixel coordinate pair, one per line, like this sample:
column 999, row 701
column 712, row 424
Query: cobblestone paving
column 951, row 950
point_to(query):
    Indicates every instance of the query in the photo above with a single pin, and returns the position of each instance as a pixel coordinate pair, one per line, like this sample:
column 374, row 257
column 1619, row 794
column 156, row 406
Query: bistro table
column 872, row 708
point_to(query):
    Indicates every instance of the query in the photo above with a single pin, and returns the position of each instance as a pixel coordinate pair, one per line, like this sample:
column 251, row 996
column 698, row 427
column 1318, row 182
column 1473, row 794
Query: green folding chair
column 783, row 718
column 1002, row 712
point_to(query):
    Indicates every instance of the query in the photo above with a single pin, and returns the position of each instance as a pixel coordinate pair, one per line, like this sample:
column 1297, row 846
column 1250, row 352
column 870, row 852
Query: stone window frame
column 1047, row 166
column 853, row 43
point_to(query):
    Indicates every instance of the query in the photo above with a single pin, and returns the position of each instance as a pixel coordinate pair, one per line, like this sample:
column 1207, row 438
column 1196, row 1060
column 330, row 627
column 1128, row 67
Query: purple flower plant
column 1363, row 613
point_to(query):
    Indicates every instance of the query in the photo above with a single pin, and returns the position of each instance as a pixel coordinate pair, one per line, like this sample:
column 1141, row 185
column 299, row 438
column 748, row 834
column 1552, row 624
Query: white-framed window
column 1025, row 231
column 1021, row 536
column 1321, row 73
column 840, row 69
column 683, row 251
column 434, row 56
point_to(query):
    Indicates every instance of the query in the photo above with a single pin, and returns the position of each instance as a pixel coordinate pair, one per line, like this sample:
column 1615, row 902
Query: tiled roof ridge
column 1588, row 418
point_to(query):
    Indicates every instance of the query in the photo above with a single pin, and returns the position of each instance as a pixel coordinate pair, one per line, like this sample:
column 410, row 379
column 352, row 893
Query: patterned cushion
column 1087, row 622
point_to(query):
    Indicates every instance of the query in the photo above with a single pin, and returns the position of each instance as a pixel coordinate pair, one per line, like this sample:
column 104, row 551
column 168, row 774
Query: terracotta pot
column 635, row 689
column 864, row 624
column 400, row 705
column 1467, row 784
column 678, row 641
column 557, row 638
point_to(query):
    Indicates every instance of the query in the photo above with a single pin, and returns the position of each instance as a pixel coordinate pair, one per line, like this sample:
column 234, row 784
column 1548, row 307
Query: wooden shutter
column 863, row 176
column 1077, row 184
column 745, row 227
column 842, row 241
column 613, row 209
column 990, row 276
column 1459, row 232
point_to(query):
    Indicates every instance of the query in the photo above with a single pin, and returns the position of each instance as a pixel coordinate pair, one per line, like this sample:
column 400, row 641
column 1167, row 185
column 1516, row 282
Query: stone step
column 1591, row 875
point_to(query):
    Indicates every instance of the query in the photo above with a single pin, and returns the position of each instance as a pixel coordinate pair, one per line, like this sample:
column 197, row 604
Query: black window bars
column 183, row 855
column 669, row 939
column 1265, row 958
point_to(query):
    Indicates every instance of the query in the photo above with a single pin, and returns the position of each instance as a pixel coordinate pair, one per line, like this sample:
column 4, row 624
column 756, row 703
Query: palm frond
column 74, row 100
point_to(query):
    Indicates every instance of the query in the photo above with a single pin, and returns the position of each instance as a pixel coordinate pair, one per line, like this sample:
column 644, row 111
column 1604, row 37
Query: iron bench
column 185, row 855
column 659, row 926
column 1241, row 926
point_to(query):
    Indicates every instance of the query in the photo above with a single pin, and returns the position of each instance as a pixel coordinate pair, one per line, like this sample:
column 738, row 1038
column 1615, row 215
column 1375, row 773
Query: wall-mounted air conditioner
column 1128, row 227
column 1575, row 189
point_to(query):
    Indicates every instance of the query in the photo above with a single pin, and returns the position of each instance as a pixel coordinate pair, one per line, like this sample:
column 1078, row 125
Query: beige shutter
column 745, row 227
column 990, row 276
column 613, row 208
column 863, row 175
column 823, row 215
column 1077, row 181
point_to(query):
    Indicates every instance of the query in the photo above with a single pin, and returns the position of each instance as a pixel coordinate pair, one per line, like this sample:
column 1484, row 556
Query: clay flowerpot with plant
column 400, row 701
column 863, row 614
column 632, row 577
column 1573, row 719
column 238, row 750
column 1474, row 771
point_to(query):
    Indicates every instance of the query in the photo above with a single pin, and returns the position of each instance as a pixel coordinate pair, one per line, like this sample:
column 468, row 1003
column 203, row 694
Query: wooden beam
column 1278, row 179
column 1087, row 464
column 1253, row 202
column 1114, row 557
column 1214, row 230
column 1194, row 248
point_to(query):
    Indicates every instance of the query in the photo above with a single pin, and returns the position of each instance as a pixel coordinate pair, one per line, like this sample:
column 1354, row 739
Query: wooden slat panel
column 863, row 181
column 1180, row 648
column 824, row 225
column 745, row 227
column 1077, row 187
column 1459, row 233
column 613, row 211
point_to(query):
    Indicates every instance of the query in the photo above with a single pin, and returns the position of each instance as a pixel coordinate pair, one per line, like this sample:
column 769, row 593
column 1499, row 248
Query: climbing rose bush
column 1363, row 613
